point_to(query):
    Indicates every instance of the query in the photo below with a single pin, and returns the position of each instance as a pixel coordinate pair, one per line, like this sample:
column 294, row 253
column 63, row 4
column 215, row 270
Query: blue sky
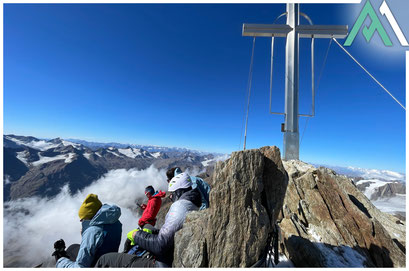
column 176, row 75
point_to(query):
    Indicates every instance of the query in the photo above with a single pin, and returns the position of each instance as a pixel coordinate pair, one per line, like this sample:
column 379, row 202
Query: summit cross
column 293, row 31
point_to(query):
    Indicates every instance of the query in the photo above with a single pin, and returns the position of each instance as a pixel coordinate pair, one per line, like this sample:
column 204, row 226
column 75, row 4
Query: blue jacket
column 100, row 235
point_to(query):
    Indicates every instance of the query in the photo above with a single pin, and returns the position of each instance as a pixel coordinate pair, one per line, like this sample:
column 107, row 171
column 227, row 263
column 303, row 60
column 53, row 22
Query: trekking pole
column 275, row 244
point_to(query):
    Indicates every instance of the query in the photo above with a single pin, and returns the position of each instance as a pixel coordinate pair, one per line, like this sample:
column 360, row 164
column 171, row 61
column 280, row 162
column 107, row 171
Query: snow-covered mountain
column 12, row 141
column 367, row 174
column 42, row 167
column 387, row 196
column 149, row 148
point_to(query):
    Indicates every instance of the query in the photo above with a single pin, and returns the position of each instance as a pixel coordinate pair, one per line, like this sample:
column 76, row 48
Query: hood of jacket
column 159, row 194
column 192, row 196
column 107, row 214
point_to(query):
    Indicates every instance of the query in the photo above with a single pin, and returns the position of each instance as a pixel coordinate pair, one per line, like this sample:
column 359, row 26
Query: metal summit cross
column 293, row 31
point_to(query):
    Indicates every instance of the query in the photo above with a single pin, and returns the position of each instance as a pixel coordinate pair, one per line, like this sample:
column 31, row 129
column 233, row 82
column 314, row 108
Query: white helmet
column 180, row 181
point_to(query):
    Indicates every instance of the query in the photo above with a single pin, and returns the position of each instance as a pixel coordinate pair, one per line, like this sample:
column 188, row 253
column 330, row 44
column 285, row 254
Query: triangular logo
column 368, row 33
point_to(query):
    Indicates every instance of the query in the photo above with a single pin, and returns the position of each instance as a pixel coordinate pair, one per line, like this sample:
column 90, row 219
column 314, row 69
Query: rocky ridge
column 324, row 220
column 325, row 213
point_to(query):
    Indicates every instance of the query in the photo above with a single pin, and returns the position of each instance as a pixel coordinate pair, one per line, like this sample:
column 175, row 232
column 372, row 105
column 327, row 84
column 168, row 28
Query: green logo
column 368, row 33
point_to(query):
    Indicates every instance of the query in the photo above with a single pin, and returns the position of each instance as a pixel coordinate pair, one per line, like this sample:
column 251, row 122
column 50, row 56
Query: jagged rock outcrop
column 247, row 194
column 326, row 214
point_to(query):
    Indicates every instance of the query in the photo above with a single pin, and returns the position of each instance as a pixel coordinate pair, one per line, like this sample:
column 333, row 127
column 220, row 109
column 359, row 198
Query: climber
column 203, row 187
column 150, row 211
column 101, row 233
column 152, row 208
column 160, row 246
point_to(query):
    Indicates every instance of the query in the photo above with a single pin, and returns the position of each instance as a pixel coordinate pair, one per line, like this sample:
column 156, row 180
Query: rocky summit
column 247, row 194
column 324, row 220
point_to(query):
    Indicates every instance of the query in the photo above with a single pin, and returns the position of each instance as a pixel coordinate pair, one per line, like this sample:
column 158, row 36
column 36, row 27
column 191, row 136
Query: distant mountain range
column 386, row 175
column 41, row 167
column 150, row 148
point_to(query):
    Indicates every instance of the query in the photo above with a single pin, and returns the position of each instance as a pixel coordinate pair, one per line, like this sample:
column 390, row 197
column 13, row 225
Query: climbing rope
column 249, row 92
column 356, row 61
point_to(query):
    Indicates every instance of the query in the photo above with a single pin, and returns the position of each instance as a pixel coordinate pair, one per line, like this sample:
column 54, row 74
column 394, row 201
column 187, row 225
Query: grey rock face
column 13, row 167
column 191, row 248
column 48, row 179
column 246, row 197
column 325, row 213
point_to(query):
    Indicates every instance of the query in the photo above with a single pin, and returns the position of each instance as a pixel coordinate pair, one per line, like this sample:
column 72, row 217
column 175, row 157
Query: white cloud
column 32, row 225
column 22, row 156
column 391, row 205
column 208, row 162
column 7, row 179
column 222, row 157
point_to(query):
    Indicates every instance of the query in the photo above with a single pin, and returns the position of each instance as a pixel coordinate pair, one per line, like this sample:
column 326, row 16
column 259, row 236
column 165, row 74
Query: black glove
column 127, row 246
column 59, row 252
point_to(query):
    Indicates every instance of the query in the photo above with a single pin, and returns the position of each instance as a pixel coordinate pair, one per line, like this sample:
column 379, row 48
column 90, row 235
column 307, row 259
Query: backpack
column 204, row 189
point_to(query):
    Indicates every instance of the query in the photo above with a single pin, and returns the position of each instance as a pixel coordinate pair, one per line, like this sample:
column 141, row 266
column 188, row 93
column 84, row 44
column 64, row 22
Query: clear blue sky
column 176, row 75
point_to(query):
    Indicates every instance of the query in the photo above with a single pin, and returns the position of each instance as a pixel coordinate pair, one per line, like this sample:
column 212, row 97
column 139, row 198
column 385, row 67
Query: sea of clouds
column 32, row 225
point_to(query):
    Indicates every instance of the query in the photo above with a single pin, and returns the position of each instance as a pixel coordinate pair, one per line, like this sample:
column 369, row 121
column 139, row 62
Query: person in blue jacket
column 199, row 183
column 101, row 233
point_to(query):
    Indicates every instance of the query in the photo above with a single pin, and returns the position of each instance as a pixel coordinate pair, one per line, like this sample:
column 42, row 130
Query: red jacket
column 151, row 209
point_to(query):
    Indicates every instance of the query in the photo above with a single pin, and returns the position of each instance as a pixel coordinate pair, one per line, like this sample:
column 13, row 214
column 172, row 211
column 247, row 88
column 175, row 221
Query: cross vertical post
column 291, row 133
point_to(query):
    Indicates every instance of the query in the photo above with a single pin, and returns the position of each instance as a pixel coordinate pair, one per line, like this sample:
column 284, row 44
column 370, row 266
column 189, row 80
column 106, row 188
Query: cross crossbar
column 322, row 31
column 305, row 31
column 266, row 30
